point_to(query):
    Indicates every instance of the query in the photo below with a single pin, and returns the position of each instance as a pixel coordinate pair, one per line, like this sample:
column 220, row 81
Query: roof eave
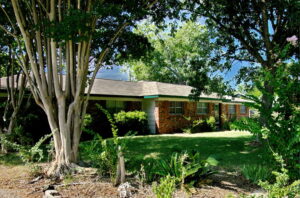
column 201, row 98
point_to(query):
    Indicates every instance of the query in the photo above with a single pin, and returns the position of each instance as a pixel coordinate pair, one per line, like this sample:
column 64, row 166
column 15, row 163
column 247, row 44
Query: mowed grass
column 230, row 148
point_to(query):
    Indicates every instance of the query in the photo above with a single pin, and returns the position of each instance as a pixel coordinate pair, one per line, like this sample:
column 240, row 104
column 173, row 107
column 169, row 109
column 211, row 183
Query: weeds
column 165, row 188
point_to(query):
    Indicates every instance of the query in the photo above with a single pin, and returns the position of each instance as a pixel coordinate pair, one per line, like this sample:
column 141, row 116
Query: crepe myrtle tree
column 10, row 68
column 76, row 38
column 251, row 31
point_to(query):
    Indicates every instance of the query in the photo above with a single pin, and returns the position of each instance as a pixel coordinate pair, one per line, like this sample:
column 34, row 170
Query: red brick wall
column 238, row 115
column 168, row 123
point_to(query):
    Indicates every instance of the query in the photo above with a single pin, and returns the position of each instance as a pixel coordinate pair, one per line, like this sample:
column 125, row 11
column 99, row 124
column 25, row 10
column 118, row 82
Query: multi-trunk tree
column 66, row 43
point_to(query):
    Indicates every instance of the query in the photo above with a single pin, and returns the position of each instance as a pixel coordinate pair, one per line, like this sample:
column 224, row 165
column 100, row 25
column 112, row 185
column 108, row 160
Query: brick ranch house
column 165, row 104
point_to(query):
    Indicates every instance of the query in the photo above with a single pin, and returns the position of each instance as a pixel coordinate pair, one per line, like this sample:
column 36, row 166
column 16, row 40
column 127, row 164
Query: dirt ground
column 16, row 182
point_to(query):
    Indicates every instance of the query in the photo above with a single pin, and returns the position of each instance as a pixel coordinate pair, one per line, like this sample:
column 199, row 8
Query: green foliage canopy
column 186, row 56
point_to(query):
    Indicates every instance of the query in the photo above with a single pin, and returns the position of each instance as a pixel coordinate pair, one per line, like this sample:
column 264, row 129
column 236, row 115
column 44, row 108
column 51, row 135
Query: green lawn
column 230, row 148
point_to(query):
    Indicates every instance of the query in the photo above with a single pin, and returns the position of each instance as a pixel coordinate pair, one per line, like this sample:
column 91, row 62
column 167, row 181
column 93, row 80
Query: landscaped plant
column 211, row 122
column 193, row 124
column 257, row 173
column 227, row 122
column 132, row 121
column 186, row 167
column 165, row 188
column 200, row 125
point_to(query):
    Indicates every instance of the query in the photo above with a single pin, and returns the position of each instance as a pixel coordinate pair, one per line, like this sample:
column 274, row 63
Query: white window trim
column 234, row 109
column 201, row 113
column 176, row 107
column 245, row 112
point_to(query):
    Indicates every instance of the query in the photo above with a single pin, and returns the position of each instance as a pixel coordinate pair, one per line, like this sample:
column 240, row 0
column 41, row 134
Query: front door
column 217, row 112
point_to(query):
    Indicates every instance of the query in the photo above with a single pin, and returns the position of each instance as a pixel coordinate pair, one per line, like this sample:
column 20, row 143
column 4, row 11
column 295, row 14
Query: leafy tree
column 186, row 56
column 263, row 33
column 10, row 68
column 76, row 38
column 282, row 130
column 252, row 31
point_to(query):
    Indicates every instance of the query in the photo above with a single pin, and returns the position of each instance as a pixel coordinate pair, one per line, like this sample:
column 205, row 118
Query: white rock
column 51, row 194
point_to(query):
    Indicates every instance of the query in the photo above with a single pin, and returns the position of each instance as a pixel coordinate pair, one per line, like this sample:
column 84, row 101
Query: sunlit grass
column 230, row 148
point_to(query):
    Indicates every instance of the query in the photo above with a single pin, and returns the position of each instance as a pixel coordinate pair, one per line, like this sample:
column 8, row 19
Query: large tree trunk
column 267, row 102
column 62, row 98
column 66, row 135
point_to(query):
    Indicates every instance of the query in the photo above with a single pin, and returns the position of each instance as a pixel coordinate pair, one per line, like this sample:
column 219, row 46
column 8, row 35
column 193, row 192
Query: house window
column 176, row 108
column 202, row 108
column 114, row 106
column 231, row 109
column 243, row 109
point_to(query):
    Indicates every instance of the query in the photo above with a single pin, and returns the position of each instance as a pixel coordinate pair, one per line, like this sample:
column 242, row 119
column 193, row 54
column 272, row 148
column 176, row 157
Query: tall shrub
column 132, row 121
column 281, row 130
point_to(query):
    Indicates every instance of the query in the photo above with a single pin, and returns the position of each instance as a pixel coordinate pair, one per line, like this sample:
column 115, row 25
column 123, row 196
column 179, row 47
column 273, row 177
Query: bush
column 211, row 122
column 108, row 159
column 165, row 188
column 90, row 151
column 193, row 126
column 200, row 125
column 103, row 154
column 27, row 154
column 282, row 187
column 227, row 122
column 256, row 173
column 132, row 121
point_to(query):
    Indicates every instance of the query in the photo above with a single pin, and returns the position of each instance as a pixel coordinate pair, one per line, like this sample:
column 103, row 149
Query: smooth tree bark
column 61, row 98
column 58, row 37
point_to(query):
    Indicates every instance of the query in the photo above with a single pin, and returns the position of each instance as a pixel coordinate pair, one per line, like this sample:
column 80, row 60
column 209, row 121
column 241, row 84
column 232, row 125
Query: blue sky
column 115, row 73
column 120, row 73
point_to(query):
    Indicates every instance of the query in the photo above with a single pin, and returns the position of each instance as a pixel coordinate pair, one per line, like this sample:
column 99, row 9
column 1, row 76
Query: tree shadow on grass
column 231, row 152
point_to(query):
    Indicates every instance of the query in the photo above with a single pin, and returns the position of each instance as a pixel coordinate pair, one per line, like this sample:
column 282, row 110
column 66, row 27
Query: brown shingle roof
column 106, row 87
